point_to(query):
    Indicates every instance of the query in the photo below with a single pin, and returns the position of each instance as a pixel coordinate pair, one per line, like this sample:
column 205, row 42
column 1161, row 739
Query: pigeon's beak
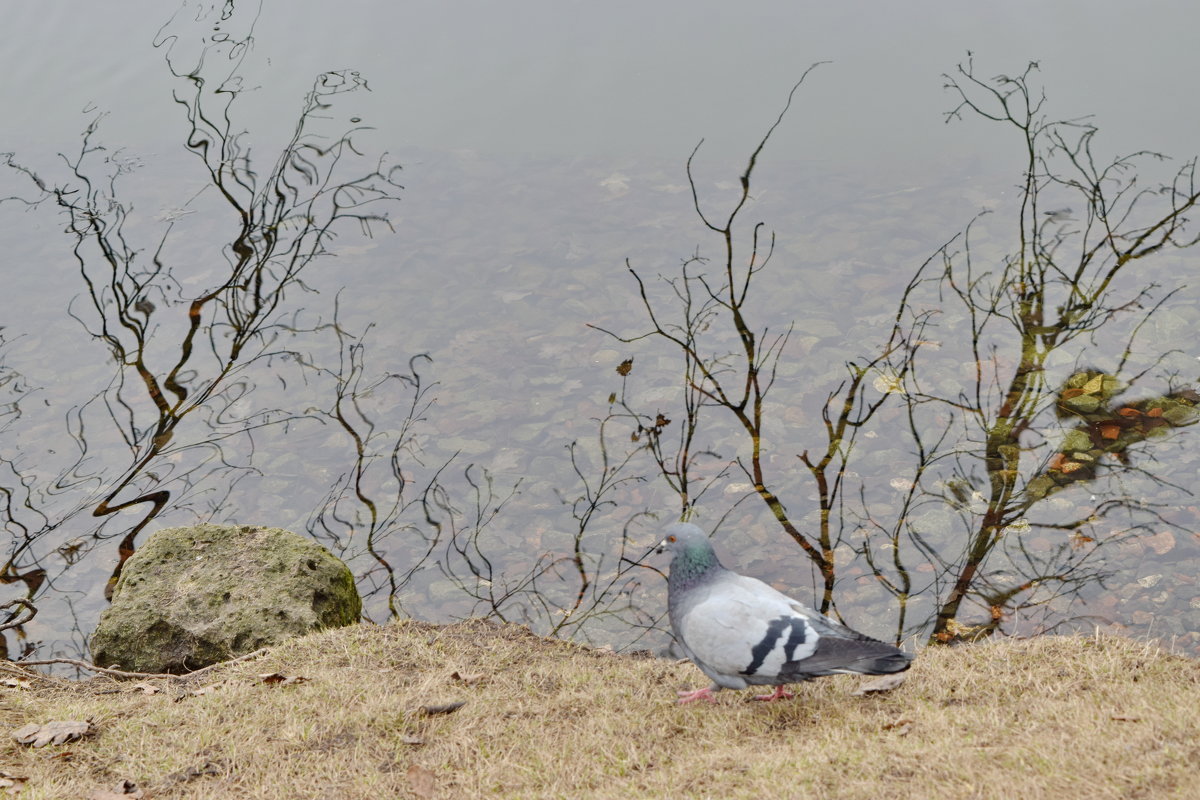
column 661, row 548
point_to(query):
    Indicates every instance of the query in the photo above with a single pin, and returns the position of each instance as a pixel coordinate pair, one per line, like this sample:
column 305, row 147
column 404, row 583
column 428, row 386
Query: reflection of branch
column 363, row 505
column 22, row 517
column 189, row 356
column 15, row 620
column 1056, row 287
column 676, row 460
column 465, row 562
column 737, row 382
column 286, row 217
column 570, row 593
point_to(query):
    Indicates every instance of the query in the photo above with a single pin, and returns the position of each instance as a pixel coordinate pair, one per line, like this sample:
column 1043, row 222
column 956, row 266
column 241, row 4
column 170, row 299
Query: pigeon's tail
column 836, row 655
column 883, row 664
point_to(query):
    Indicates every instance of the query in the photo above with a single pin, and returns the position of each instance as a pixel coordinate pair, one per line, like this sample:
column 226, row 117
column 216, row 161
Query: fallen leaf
column 421, row 781
column 1109, row 430
column 1095, row 385
column 59, row 732
column 146, row 688
column 272, row 678
column 16, row 683
column 900, row 726
column 882, row 684
column 415, row 741
column 203, row 690
column 12, row 783
column 1079, row 540
column 1119, row 718
column 469, row 678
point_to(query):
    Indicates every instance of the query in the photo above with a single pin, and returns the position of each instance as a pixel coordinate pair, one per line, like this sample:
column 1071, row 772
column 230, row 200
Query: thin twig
column 119, row 673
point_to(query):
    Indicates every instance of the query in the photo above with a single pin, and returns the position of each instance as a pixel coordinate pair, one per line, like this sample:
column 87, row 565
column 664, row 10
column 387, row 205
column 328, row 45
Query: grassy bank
column 1068, row 717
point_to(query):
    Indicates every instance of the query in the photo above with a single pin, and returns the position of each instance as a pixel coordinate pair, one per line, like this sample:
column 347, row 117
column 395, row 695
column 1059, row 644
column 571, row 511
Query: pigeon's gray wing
column 835, row 655
column 739, row 630
column 843, row 650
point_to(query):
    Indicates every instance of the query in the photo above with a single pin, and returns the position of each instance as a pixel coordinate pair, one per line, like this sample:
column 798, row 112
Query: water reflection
column 175, row 425
column 1057, row 297
column 951, row 468
column 1003, row 488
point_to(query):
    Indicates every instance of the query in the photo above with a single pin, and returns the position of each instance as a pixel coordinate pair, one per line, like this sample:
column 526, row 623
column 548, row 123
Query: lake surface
column 541, row 148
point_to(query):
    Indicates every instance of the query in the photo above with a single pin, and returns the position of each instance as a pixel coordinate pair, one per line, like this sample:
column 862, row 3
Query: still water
column 414, row 300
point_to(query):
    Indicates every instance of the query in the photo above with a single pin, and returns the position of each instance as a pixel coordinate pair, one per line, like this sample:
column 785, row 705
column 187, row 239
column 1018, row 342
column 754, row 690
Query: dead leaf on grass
column 146, row 688
column 469, row 678
column 882, row 684
column 58, row 732
column 11, row 783
column 15, row 683
column 272, row 678
column 444, row 708
column 900, row 726
column 415, row 741
column 203, row 690
column 1121, row 718
column 421, row 781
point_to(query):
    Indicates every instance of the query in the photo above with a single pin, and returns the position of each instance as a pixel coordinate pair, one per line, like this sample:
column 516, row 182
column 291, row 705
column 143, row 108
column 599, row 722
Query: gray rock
column 198, row 595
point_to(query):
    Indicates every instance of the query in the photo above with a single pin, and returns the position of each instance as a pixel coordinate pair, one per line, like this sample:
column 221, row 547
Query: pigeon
column 741, row 632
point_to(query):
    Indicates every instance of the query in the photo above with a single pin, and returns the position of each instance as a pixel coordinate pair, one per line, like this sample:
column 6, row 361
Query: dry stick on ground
column 118, row 673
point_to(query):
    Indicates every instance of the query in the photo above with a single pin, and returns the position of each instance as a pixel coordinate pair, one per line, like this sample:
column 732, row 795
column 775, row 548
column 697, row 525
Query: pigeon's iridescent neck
column 692, row 564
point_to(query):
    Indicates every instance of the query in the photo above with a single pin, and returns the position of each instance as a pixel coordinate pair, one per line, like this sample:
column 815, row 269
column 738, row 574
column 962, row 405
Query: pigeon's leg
column 699, row 694
column 779, row 693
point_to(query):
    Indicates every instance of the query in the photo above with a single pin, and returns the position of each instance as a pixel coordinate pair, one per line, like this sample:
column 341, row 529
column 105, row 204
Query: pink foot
column 778, row 694
column 699, row 694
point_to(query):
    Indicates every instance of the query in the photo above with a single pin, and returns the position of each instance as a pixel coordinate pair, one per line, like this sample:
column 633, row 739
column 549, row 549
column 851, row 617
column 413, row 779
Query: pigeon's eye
column 670, row 538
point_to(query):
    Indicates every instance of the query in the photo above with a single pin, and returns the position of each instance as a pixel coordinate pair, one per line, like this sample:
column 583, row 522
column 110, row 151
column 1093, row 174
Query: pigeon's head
column 684, row 538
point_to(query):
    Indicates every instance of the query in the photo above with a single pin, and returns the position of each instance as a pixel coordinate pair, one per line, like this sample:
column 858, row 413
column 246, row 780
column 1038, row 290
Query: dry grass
column 1068, row 717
